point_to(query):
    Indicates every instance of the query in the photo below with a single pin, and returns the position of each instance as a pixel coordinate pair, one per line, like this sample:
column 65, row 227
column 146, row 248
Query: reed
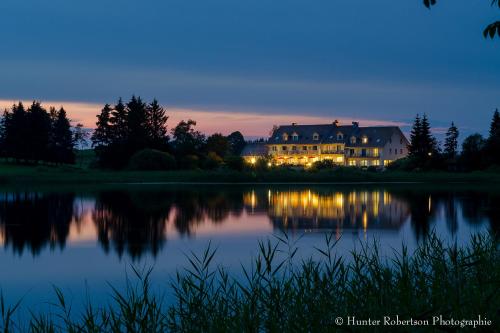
column 282, row 292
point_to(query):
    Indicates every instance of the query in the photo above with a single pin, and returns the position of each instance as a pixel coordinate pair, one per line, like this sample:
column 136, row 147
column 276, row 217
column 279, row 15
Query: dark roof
column 377, row 136
column 255, row 149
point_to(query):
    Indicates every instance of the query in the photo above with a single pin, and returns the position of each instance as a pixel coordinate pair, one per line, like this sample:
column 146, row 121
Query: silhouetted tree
column 492, row 149
column 39, row 126
column 103, row 135
column 472, row 152
column 119, row 122
column 186, row 139
column 80, row 136
column 451, row 142
column 415, row 138
column 157, row 125
column 236, row 143
column 218, row 144
column 137, row 124
column 61, row 139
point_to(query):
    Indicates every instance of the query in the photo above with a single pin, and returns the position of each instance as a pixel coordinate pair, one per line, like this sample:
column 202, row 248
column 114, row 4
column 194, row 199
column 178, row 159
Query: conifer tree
column 62, row 144
column 492, row 149
column 157, row 125
column 102, row 135
column 119, row 122
column 451, row 142
column 137, row 124
column 39, row 126
column 414, row 149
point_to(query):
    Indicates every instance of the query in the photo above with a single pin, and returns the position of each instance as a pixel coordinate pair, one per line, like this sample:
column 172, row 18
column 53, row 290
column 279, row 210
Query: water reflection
column 136, row 222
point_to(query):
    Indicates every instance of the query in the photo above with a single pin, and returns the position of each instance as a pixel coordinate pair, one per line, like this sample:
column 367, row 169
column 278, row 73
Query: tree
column 61, row 143
column 103, row 134
column 137, row 138
column 186, row 139
column 218, row 144
column 119, row 122
column 236, row 143
column 451, row 142
column 39, row 126
column 415, row 138
column 492, row 148
column 429, row 143
column 80, row 136
column 15, row 132
column 157, row 125
column 490, row 30
column 472, row 152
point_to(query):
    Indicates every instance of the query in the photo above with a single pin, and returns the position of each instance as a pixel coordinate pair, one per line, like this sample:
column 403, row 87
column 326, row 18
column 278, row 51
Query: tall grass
column 281, row 292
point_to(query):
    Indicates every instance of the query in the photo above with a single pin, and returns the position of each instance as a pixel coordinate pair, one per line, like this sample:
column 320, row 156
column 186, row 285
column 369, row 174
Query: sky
column 247, row 65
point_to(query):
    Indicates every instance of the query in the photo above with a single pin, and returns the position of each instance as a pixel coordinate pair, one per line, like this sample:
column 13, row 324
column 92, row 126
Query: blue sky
column 383, row 60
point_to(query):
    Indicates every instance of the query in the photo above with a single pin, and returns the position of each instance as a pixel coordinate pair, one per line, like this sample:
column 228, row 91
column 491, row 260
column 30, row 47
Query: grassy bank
column 281, row 293
column 11, row 174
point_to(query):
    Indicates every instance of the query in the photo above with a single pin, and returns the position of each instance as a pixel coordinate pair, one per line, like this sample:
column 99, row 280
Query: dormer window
column 364, row 139
column 353, row 139
column 340, row 136
column 295, row 137
column 285, row 137
column 315, row 136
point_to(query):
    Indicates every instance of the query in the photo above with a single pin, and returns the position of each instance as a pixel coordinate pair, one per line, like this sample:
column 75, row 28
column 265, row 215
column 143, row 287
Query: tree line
column 35, row 134
column 477, row 152
column 134, row 135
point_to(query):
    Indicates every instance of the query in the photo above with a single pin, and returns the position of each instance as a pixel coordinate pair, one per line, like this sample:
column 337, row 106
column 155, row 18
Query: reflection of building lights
column 430, row 204
column 253, row 160
column 365, row 220
column 269, row 164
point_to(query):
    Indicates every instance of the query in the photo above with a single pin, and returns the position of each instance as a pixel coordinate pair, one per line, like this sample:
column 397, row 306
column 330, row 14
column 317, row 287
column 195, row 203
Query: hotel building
column 350, row 145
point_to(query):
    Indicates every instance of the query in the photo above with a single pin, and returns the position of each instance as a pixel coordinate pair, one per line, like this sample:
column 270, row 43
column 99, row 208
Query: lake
column 82, row 239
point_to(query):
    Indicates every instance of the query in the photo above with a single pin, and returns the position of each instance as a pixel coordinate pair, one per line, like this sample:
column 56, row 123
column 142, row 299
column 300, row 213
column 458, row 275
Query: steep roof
column 377, row 136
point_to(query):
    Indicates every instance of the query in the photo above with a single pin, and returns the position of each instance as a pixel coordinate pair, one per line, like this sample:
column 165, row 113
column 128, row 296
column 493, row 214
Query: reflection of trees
column 131, row 221
column 135, row 221
column 33, row 220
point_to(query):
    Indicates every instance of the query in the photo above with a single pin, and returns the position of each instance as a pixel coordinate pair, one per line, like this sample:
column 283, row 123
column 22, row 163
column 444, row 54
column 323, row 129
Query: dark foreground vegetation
column 281, row 292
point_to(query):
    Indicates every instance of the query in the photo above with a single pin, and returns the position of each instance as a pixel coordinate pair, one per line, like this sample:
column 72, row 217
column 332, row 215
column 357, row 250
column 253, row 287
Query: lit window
column 285, row 137
column 353, row 139
column 376, row 162
column 364, row 162
column 340, row 159
column 375, row 151
column 352, row 163
column 365, row 139
column 339, row 148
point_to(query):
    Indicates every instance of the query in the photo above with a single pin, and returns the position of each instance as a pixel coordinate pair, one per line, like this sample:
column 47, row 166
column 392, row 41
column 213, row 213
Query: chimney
column 294, row 124
column 355, row 124
column 336, row 122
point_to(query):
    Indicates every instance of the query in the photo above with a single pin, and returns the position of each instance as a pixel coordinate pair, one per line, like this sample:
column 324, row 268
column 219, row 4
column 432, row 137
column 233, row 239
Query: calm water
column 80, row 240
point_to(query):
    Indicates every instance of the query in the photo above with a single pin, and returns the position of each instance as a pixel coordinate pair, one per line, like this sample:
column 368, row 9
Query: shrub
column 325, row 164
column 189, row 162
column 234, row 162
column 151, row 159
column 212, row 161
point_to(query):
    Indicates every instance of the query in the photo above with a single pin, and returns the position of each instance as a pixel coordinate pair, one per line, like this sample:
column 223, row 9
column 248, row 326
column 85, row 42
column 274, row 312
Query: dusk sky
column 250, row 64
